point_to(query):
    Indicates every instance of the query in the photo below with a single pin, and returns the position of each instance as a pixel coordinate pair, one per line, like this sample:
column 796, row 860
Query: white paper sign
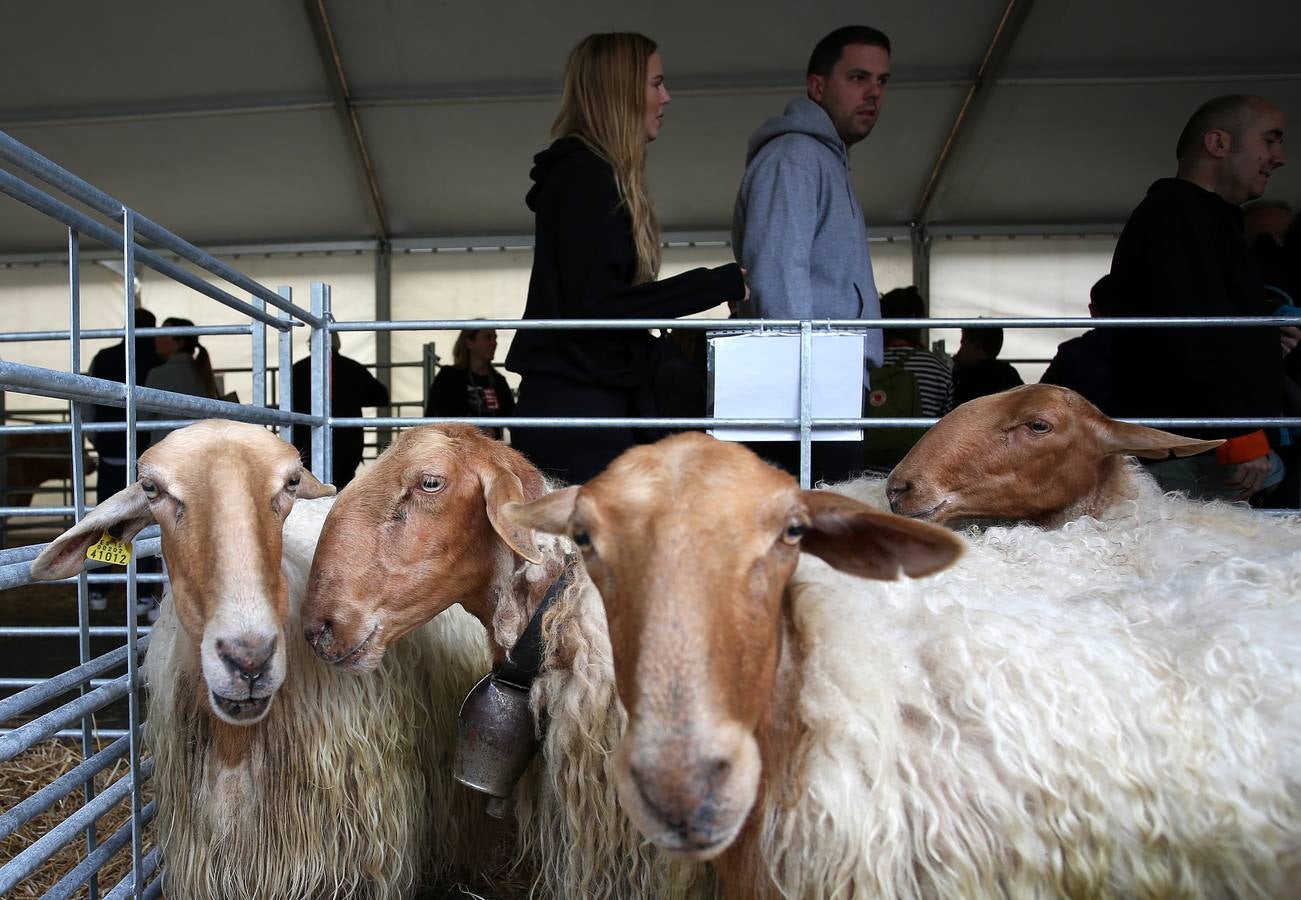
column 757, row 376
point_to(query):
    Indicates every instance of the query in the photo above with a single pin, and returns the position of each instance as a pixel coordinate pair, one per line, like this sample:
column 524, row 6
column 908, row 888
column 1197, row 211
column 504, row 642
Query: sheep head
column 415, row 533
column 1037, row 453
column 691, row 543
column 220, row 492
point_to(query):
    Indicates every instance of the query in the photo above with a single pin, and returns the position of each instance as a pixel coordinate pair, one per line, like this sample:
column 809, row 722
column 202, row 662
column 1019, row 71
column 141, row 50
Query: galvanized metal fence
column 95, row 680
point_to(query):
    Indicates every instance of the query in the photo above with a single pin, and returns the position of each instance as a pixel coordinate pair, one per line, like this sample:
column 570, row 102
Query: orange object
column 1242, row 448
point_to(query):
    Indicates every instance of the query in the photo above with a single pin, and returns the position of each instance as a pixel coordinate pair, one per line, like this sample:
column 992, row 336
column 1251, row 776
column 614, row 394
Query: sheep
column 1034, row 725
column 1037, row 453
column 29, row 460
column 276, row 775
column 420, row 530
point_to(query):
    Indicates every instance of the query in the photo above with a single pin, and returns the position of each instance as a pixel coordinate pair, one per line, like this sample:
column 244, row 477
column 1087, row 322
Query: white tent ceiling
column 218, row 119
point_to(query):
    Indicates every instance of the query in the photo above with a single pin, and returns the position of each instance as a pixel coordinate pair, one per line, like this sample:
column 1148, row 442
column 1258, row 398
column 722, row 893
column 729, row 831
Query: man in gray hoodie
column 797, row 226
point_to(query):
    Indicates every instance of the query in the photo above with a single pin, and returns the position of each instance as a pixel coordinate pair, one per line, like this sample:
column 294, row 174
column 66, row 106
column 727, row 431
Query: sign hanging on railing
column 757, row 376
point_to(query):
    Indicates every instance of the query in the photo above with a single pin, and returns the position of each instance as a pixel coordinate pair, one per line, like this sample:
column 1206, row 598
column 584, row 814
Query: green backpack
column 894, row 393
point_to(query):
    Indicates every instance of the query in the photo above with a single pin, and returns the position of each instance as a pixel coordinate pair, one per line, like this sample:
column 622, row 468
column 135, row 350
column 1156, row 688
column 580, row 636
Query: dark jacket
column 1182, row 253
column 110, row 363
column 989, row 376
column 1085, row 365
column 459, row 392
column 584, row 262
column 352, row 387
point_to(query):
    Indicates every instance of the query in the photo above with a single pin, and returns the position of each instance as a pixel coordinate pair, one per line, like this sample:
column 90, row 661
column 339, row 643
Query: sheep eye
column 1039, row 426
column 150, row 488
column 583, row 540
column 294, row 480
column 794, row 532
column 432, row 484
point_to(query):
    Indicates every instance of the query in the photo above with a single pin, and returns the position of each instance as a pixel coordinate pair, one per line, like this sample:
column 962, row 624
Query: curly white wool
column 1111, row 708
column 346, row 787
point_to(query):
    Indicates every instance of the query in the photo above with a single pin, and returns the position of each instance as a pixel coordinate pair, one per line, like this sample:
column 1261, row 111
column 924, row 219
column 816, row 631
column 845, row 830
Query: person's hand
column 1291, row 336
column 735, row 307
column 1249, row 477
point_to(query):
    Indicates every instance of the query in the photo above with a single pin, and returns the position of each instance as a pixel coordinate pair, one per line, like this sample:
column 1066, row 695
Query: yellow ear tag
column 110, row 550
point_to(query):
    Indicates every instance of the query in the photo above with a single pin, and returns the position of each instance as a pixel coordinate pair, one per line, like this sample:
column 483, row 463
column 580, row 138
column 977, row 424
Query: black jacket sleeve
column 588, row 235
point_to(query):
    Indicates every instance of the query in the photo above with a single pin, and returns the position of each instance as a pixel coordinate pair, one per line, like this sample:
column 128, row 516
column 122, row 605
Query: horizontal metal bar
column 30, row 859
column 19, row 573
column 55, row 209
column 97, row 427
column 68, row 386
column 69, row 885
column 31, row 551
column 50, row 688
column 96, row 333
column 20, row 683
column 61, row 631
column 26, row 735
column 773, row 423
column 75, row 733
column 792, row 325
column 53, row 174
column 34, row 804
column 33, row 511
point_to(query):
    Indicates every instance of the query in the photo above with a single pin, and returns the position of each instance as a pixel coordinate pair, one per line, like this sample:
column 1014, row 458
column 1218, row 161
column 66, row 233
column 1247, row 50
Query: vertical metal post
column 285, row 375
column 259, row 356
column 322, row 455
column 79, row 511
column 384, row 339
column 806, row 404
column 132, row 588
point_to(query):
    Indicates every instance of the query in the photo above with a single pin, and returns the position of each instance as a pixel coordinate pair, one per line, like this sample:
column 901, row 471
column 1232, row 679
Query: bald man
column 1182, row 253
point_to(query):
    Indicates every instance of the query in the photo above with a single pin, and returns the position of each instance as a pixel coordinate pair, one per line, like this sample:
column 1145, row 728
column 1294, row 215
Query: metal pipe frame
column 55, row 175
column 56, row 209
column 30, row 859
column 97, row 333
column 35, row 804
column 69, row 884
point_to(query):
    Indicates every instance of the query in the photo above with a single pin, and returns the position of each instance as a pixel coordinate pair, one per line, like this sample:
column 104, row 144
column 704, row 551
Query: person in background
column 1084, row 363
column 1183, row 252
column 597, row 256
column 185, row 369
column 797, row 227
column 978, row 371
column 110, row 364
column 470, row 386
column 931, row 373
column 352, row 387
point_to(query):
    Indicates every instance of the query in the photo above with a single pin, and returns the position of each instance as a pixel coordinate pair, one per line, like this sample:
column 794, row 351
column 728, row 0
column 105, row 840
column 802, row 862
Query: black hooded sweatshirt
column 1182, row 253
column 584, row 263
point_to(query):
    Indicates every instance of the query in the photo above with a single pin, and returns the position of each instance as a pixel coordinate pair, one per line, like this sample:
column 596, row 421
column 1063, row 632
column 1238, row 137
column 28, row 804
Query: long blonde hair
column 604, row 106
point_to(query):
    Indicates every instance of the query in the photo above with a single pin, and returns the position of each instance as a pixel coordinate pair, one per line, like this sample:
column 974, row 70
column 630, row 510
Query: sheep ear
column 855, row 538
column 501, row 489
column 312, row 488
column 123, row 515
column 549, row 514
column 1150, row 443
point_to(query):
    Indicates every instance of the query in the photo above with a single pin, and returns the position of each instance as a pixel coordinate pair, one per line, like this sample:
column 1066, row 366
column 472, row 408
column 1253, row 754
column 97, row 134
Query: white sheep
column 421, row 530
column 276, row 775
column 1108, row 709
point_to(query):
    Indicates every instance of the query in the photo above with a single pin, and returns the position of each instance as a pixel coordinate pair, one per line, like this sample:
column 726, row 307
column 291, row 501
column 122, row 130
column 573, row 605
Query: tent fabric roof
column 219, row 122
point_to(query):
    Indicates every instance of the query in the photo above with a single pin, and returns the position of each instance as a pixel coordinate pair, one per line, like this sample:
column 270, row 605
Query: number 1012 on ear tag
column 110, row 550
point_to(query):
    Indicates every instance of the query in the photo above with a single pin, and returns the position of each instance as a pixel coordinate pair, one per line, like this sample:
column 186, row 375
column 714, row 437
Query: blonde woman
column 596, row 256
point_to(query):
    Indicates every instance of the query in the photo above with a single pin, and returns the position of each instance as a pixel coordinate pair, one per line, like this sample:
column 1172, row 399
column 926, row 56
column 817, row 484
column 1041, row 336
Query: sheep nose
column 319, row 632
column 248, row 657
column 895, row 490
column 684, row 798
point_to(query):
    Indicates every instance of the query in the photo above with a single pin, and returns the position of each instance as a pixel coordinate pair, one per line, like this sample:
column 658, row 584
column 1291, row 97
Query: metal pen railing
column 99, row 680
column 92, row 679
